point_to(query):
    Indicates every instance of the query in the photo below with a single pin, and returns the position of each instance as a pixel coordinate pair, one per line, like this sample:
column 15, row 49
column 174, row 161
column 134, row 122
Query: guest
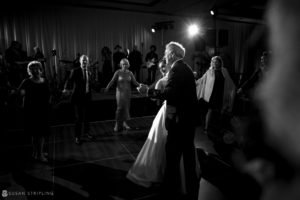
column 76, row 61
column 14, row 58
column 250, row 84
column 278, row 96
column 39, row 56
column 107, row 70
column 123, row 78
column 151, row 60
column 80, row 83
column 36, row 104
column 217, row 89
column 118, row 55
column 136, row 61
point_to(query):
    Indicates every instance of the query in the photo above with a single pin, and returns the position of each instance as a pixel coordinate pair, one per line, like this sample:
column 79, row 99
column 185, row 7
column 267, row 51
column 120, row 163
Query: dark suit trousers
column 81, row 117
column 151, row 74
column 180, row 142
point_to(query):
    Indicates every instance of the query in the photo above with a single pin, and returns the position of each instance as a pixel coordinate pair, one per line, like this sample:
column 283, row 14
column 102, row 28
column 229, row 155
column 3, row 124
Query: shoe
column 89, row 136
column 42, row 158
column 34, row 155
column 77, row 141
column 116, row 129
column 126, row 127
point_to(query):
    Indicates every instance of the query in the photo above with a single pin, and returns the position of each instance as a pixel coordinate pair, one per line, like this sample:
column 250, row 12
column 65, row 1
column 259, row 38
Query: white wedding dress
column 149, row 165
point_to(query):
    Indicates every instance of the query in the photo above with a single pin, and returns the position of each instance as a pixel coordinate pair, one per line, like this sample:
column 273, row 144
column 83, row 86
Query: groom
column 180, row 93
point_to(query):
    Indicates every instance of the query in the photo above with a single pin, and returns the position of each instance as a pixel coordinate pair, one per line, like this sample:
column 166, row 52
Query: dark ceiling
column 236, row 10
column 249, row 10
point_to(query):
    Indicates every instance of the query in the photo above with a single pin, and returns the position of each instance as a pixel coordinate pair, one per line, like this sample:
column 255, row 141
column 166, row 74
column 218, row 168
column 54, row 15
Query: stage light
column 193, row 30
column 153, row 30
column 212, row 12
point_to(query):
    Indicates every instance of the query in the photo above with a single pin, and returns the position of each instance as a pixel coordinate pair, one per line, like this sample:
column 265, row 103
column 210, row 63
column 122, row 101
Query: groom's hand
column 143, row 89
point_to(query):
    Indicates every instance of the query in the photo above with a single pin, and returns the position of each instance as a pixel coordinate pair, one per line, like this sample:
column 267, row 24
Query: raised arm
column 133, row 80
column 113, row 80
column 172, row 89
column 69, row 83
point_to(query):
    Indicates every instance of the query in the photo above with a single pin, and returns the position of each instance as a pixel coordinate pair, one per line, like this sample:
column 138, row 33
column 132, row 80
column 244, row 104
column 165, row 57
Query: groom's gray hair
column 176, row 48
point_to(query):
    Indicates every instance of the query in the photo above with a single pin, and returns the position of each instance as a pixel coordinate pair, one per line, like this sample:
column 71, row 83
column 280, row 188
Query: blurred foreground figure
column 279, row 96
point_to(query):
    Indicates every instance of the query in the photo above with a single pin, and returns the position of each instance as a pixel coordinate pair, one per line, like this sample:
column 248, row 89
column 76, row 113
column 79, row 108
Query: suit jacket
column 78, row 85
column 180, row 93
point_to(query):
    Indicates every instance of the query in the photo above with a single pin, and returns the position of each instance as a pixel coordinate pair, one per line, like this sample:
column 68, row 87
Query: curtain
column 72, row 30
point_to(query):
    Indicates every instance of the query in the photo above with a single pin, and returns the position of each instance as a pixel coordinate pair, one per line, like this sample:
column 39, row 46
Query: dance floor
column 93, row 170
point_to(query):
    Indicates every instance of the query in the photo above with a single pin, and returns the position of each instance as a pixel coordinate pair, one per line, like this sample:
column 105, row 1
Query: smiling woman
column 123, row 78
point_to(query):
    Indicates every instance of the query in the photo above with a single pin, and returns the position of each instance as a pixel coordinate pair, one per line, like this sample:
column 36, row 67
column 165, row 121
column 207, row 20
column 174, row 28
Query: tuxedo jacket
column 77, row 83
column 180, row 93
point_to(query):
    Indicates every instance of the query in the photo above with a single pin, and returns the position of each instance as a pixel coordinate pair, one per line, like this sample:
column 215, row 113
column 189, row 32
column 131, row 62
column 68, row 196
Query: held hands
column 66, row 93
column 143, row 89
column 104, row 90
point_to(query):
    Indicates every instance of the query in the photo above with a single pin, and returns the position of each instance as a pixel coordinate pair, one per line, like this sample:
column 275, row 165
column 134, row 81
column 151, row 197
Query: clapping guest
column 80, row 83
column 36, row 104
column 123, row 77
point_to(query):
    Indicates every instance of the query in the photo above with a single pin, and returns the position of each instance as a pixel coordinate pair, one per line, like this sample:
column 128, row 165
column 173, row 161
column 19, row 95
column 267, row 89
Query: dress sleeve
column 133, row 79
column 113, row 80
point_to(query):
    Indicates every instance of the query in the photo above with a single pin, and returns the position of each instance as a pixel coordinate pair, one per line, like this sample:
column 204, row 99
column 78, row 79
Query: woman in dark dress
column 36, row 104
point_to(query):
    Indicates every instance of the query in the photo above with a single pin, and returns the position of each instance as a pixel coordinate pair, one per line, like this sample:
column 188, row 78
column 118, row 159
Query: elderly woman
column 217, row 89
column 36, row 103
column 123, row 77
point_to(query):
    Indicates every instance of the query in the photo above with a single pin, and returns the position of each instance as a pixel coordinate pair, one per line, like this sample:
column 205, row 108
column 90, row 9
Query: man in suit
column 80, row 83
column 180, row 94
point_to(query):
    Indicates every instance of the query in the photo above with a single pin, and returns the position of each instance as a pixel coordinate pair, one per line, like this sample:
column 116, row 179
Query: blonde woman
column 36, row 104
column 123, row 78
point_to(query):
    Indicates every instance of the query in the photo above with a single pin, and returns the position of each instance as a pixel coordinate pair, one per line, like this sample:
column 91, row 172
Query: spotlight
column 193, row 30
column 153, row 30
column 213, row 11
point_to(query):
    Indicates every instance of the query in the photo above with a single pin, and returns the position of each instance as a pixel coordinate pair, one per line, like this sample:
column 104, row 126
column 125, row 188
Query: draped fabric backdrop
column 72, row 30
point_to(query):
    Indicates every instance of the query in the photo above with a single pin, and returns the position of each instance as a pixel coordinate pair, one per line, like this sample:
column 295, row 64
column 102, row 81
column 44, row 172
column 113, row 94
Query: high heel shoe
column 126, row 127
column 117, row 129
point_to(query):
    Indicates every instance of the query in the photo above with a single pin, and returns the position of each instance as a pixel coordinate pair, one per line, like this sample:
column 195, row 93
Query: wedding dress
column 149, row 165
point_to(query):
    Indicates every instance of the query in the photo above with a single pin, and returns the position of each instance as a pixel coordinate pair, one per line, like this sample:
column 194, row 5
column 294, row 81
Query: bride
column 149, row 166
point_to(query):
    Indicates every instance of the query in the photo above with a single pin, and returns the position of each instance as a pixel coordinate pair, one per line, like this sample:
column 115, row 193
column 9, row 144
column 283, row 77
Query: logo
column 4, row 193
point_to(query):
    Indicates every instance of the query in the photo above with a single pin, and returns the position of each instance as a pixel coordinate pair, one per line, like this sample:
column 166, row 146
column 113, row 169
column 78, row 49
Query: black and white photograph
column 150, row 99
